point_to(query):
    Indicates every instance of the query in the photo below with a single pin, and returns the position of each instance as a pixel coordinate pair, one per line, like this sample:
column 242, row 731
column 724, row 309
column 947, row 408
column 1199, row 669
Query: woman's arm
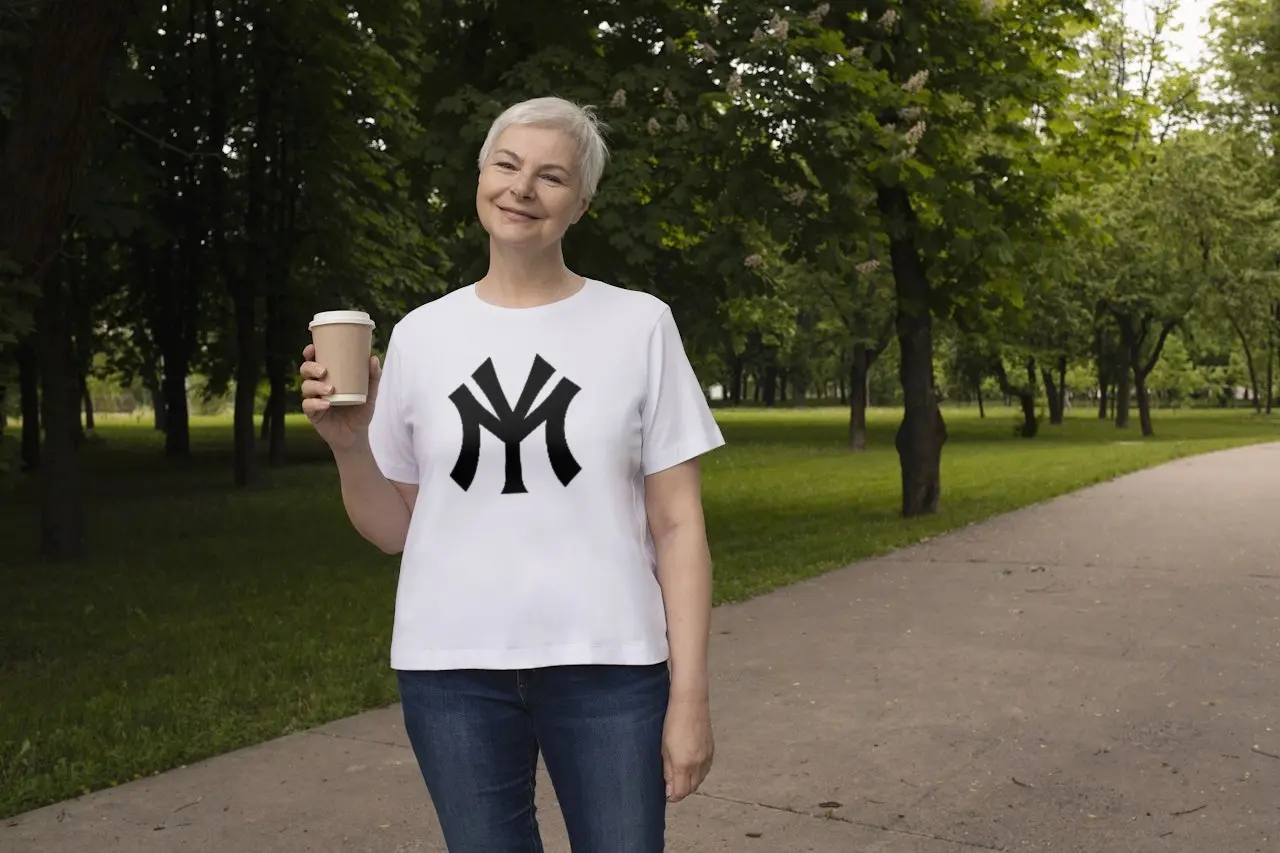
column 673, row 500
column 379, row 509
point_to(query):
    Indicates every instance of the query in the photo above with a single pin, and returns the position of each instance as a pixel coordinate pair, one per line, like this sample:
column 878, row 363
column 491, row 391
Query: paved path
column 1100, row 673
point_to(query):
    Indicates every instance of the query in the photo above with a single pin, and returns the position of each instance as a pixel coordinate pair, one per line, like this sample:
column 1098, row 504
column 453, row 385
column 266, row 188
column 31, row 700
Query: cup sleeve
column 391, row 430
column 676, row 422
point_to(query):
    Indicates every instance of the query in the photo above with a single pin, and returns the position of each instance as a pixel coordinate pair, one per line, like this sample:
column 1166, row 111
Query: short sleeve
column 676, row 421
column 390, row 430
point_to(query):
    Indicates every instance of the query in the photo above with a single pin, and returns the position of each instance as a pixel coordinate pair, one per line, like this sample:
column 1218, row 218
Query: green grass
column 208, row 619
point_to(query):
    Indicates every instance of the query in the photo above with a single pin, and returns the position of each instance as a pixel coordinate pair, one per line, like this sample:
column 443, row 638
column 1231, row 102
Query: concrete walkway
column 1100, row 673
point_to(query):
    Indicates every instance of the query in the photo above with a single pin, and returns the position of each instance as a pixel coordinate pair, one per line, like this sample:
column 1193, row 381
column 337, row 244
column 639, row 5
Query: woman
column 531, row 447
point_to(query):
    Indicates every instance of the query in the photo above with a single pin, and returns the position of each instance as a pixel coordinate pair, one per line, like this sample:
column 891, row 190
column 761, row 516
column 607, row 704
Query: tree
column 44, row 142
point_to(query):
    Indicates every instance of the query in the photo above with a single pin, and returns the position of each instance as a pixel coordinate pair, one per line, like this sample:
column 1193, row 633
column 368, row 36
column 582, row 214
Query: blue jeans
column 477, row 734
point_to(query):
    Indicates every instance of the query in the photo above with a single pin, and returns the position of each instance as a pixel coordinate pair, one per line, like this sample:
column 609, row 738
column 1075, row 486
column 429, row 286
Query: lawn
column 208, row 619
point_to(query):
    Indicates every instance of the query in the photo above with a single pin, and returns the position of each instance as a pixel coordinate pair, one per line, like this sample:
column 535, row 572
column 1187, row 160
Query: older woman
column 531, row 447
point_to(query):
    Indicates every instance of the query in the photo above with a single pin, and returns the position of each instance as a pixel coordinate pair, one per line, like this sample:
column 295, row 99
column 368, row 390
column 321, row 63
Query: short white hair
column 578, row 121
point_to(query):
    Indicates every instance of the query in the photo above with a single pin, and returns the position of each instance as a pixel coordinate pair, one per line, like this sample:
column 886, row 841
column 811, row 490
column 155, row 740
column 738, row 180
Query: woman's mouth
column 517, row 215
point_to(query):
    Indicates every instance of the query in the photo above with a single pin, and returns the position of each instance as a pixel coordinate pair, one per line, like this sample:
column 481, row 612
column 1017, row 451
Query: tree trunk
column 177, row 413
column 1144, row 404
column 1025, row 395
column 1105, row 376
column 1062, row 388
column 1125, row 374
column 799, row 389
column 61, row 501
column 173, row 333
column 277, row 374
column 735, row 388
column 79, row 295
column 1140, row 370
column 248, row 355
column 1271, row 360
column 87, row 399
column 982, row 411
column 275, row 443
column 770, row 385
column 923, row 432
column 1055, row 400
column 159, row 410
column 1248, row 360
column 860, row 367
column 44, row 146
column 180, row 295
column 29, row 389
column 264, row 428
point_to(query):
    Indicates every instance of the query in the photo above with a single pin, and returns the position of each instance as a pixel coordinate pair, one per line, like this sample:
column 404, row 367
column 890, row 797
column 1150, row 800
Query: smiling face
column 529, row 192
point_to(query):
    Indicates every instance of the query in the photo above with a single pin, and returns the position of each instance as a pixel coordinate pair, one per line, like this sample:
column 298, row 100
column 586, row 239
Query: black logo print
column 513, row 426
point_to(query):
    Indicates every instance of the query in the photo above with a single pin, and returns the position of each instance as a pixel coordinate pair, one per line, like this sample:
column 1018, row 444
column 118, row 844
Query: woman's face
column 530, row 192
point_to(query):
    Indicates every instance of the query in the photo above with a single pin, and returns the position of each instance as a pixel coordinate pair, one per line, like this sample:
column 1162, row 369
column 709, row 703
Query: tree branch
column 886, row 335
column 1169, row 326
column 836, row 305
column 168, row 146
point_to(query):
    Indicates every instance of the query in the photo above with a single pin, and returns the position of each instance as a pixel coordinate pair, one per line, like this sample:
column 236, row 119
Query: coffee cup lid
column 327, row 318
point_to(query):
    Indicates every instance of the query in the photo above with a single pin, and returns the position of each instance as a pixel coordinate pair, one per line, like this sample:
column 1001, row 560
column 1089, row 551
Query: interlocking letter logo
column 513, row 427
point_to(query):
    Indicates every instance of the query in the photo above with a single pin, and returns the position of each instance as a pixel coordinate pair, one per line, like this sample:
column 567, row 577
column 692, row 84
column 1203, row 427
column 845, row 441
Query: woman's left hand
column 687, row 746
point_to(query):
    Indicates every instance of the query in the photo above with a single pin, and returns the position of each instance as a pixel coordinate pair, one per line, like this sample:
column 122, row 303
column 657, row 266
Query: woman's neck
column 523, row 280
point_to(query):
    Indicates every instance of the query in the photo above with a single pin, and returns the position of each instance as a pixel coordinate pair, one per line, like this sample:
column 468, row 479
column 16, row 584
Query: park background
column 932, row 259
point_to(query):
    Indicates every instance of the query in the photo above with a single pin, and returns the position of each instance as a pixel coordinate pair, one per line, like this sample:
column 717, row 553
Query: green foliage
column 1175, row 378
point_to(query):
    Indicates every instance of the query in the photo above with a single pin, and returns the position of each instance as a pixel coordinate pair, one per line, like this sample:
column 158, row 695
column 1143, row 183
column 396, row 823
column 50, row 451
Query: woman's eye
column 502, row 164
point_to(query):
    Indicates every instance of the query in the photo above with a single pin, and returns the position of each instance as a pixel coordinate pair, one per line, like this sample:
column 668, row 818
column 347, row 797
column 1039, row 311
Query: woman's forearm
column 373, row 503
column 684, row 573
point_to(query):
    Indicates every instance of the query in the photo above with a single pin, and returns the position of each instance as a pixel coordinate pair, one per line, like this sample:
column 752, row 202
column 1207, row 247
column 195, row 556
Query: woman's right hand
column 341, row 427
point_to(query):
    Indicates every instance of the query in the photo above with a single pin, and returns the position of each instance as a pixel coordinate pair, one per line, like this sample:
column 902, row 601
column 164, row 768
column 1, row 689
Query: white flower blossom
column 819, row 13
column 669, row 98
column 987, row 7
column 779, row 27
column 708, row 52
column 867, row 267
column 735, row 83
column 857, row 52
column 752, row 261
column 915, row 134
column 682, row 123
column 909, row 113
column 887, row 20
column 619, row 99
column 757, row 36
column 797, row 195
column 916, row 82
column 712, row 18
column 655, row 127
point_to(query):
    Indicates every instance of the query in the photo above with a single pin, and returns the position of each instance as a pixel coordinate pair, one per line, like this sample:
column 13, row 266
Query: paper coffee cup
column 344, row 343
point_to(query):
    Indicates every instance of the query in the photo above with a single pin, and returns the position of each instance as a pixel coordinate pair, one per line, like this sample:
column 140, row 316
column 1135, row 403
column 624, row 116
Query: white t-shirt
column 529, row 433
